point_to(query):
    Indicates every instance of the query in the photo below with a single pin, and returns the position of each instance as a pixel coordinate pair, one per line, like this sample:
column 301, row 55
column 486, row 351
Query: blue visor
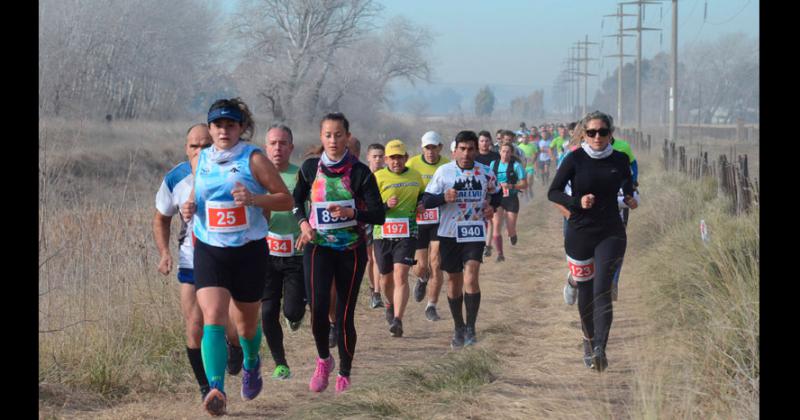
column 227, row 112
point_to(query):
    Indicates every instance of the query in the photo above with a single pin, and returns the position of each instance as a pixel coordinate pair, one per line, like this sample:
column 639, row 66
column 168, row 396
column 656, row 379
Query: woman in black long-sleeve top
column 595, row 238
column 343, row 198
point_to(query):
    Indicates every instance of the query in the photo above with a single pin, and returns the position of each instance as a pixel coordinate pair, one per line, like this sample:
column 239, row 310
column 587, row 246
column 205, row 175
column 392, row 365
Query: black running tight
column 346, row 270
column 594, row 296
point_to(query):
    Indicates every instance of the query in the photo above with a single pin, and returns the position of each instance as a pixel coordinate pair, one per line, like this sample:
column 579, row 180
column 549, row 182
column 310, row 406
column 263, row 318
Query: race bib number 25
column 470, row 231
column 225, row 216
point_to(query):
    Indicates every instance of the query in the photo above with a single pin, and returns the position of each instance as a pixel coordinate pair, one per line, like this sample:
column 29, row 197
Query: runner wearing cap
column 466, row 193
column 234, row 183
column 174, row 190
column 375, row 154
column 428, row 264
column 395, row 241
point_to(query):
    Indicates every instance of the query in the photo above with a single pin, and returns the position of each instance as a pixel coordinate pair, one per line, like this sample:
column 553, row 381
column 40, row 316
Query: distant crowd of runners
column 259, row 232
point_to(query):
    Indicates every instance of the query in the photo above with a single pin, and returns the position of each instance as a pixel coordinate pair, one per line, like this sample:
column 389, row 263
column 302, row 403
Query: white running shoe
column 570, row 293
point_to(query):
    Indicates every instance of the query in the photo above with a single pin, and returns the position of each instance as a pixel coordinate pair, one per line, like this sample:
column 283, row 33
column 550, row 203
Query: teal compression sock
column 215, row 355
column 250, row 349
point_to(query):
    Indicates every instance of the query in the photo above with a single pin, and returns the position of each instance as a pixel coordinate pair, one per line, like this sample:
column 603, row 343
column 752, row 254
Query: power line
column 732, row 17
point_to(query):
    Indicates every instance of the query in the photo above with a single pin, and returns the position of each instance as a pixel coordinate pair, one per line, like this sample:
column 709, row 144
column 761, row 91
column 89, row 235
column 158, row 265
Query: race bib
column 506, row 192
column 581, row 270
column 428, row 217
column 395, row 228
column 470, row 231
column 326, row 221
column 225, row 216
column 280, row 245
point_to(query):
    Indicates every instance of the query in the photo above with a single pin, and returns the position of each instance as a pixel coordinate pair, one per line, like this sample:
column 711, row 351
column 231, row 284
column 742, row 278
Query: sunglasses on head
column 603, row 132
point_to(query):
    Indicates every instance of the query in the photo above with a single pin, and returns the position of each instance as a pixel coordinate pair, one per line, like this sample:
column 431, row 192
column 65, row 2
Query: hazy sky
column 524, row 42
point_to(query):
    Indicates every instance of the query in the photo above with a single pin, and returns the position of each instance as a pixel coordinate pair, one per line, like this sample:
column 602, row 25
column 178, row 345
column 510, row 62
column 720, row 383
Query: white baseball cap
column 431, row 137
column 453, row 146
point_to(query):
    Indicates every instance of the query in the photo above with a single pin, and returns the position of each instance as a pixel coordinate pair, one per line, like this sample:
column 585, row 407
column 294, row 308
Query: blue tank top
column 218, row 221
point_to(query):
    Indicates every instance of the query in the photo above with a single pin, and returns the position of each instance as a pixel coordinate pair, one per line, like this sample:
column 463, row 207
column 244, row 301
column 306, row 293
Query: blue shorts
column 186, row 275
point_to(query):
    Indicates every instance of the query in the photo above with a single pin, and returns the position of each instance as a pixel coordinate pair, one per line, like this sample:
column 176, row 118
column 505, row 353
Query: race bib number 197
column 395, row 228
column 470, row 231
column 225, row 216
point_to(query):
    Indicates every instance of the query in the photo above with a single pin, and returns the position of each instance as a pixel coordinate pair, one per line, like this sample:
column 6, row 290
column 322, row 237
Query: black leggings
column 284, row 279
column 346, row 270
column 594, row 296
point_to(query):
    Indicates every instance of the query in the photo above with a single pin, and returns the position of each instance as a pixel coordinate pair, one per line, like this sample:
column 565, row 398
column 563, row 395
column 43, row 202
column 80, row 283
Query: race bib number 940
column 428, row 217
column 581, row 270
column 225, row 216
column 395, row 228
column 325, row 219
column 470, row 231
column 280, row 245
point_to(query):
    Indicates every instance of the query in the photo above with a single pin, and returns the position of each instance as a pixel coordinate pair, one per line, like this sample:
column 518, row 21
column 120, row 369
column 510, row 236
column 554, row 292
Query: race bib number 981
column 470, row 231
column 225, row 216
column 326, row 221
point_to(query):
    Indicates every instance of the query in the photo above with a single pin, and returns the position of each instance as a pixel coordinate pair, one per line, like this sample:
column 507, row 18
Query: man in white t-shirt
column 466, row 193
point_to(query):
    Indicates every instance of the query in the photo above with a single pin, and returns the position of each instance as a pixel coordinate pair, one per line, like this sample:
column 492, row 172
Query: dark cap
column 230, row 113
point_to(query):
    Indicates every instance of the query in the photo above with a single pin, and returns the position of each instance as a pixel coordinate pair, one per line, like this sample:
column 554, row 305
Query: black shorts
column 454, row 255
column 368, row 234
column 240, row 269
column 284, row 274
column 389, row 252
column 427, row 233
column 510, row 203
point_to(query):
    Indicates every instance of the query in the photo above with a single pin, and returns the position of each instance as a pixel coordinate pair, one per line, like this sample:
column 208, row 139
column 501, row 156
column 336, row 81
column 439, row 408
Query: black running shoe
column 375, row 301
column 500, row 258
column 458, row 339
column 419, row 289
column 333, row 336
column 599, row 361
column 430, row 314
column 235, row 358
column 469, row 336
column 488, row 251
column 514, row 240
column 204, row 390
column 397, row 328
column 389, row 314
column 587, row 354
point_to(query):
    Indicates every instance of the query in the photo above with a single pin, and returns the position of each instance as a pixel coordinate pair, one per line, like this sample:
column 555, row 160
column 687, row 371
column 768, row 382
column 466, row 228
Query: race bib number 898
column 325, row 220
column 470, row 231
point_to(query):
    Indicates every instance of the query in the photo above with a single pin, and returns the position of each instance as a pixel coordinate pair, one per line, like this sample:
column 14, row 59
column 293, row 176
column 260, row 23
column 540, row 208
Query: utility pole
column 673, row 90
column 639, row 29
column 619, row 35
column 575, row 70
column 585, row 73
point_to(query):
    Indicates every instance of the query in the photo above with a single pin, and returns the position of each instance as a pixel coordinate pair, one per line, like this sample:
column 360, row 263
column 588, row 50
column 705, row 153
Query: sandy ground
column 523, row 320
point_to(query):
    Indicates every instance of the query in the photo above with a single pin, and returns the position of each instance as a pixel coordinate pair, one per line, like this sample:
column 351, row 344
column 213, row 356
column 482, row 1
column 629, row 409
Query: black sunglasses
column 603, row 132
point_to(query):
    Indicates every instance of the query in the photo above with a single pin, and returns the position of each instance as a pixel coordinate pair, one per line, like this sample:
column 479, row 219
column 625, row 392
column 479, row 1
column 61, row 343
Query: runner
column 557, row 144
column 285, row 268
column 174, row 190
column 511, row 178
column 428, row 266
column 375, row 153
column 595, row 237
column 461, row 189
column 529, row 149
column 344, row 198
column 234, row 182
column 545, row 156
column 401, row 189
column 486, row 155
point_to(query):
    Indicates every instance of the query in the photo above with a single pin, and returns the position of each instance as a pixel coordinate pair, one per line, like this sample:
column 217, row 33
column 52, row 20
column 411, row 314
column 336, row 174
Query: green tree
column 484, row 102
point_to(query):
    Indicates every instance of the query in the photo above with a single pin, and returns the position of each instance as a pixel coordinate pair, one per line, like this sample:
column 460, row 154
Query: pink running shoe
column 342, row 383
column 320, row 379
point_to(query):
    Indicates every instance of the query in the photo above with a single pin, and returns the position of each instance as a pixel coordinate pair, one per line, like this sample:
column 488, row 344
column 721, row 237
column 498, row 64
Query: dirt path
column 523, row 320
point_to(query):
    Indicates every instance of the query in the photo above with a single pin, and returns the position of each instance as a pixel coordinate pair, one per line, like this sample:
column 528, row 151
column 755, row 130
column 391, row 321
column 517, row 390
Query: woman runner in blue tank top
column 234, row 183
